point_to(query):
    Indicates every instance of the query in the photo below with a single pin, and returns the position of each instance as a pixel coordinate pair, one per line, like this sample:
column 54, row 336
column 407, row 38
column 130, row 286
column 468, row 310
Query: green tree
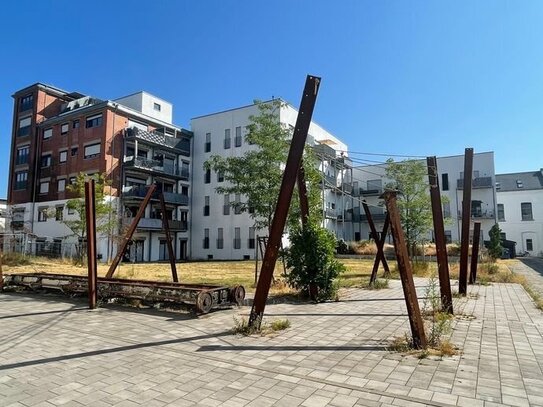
column 410, row 179
column 495, row 246
column 106, row 218
column 311, row 260
column 256, row 175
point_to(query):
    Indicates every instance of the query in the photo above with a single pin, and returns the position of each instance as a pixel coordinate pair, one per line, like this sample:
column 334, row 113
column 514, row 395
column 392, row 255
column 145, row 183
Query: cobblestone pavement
column 532, row 269
column 54, row 352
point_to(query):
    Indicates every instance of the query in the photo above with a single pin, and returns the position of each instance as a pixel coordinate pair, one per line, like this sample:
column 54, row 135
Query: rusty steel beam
column 90, row 211
column 130, row 231
column 439, row 235
column 475, row 252
column 166, row 226
column 302, row 193
column 1, row 272
column 466, row 218
column 406, row 273
column 285, row 196
column 379, row 242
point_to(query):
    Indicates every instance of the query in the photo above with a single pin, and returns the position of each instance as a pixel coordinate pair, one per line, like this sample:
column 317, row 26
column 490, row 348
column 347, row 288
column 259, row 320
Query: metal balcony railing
column 156, row 224
column 480, row 182
column 182, row 145
column 156, row 166
column 479, row 214
column 169, row 197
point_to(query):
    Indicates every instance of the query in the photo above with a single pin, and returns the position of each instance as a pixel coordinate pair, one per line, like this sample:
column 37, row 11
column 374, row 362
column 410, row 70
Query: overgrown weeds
column 378, row 284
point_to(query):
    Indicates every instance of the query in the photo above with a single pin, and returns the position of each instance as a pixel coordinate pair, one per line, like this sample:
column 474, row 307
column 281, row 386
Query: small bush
column 378, row 284
column 490, row 268
column 280, row 325
column 242, row 327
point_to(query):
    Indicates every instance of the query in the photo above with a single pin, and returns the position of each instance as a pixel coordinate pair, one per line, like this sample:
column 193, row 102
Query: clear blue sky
column 414, row 78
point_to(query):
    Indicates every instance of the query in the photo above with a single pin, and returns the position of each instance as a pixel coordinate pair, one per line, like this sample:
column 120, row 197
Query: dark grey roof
column 519, row 181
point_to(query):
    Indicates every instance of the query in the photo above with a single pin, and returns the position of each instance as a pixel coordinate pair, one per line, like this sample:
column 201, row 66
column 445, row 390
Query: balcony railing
column 156, row 224
column 329, row 181
column 330, row 213
column 479, row 214
column 17, row 224
column 370, row 192
column 480, row 182
column 169, row 197
column 182, row 145
column 156, row 166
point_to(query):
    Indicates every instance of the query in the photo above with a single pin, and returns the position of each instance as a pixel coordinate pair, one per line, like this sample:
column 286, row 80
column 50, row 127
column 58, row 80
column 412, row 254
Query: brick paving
column 54, row 352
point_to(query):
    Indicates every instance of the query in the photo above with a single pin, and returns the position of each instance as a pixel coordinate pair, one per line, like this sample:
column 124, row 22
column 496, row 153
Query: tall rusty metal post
column 466, row 217
column 285, row 196
column 90, row 210
column 379, row 242
column 439, row 235
column 130, row 231
column 166, row 226
column 406, row 273
column 475, row 252
column 1, row 272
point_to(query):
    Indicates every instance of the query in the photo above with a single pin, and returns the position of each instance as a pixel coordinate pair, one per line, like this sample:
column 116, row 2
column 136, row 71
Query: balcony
column 17, row 224
column 329, row 181
column 156, row 167
column 330, row 213
column 156, row 224
column 476, row 183
column 370, row 192
column 169, row 197
column 180, row 145
column 377, row 215
column 476, row 214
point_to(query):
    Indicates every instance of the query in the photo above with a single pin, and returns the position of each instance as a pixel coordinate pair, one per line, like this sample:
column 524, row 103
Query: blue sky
column 411, row 78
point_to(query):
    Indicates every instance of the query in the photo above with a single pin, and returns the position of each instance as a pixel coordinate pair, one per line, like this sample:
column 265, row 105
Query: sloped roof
column 528, row 180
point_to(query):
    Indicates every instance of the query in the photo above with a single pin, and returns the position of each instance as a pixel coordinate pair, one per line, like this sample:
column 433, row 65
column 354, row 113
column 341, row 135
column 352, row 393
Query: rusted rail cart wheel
column 204, row 302
column 237, row 294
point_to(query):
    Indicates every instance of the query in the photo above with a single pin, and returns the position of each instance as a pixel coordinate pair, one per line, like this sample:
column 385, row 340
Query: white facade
column 217, row 232
column 371, row 180
column 149, row 105
column 520, row 210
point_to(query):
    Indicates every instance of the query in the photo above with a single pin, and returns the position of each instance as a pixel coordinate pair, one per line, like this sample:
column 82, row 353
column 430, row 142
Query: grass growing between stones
column 378, row 284
column 242, row 327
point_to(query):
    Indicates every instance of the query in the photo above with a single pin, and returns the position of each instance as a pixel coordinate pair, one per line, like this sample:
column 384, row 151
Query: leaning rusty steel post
column 381, row 247
column 130, row 231
column 439, row 232
column 475, row 252
column 406, row 273
column 90, row 211
column 285, row 196
column 166, row 226
column 1, row 272
column 379, row 256
column 466, row 217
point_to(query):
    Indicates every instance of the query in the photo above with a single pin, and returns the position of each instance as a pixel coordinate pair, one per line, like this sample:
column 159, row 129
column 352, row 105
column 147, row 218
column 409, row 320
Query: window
column 207, row 145
column 73, row 151
column 526, row 211
column 75, row 124
column 21, row 179
column 184, row 169
column 46, row 160
column 44, row 187
column 520, row 184
column 22, row 155
column 64, row 128
column 220, row 176
column 92, row 150
column 156, row 107
column 71, row 211
column 238, row 137
column 498, row 186
column 62, row 156
column 226, row 139
column 72, row 180
column 42, row 214
column 237, row 204
column 220, row 239
column 59, row 213
column 237, row 238
column 207, row 177
column 448, row 236
column 47, row 134
column 226, row 205
column 444, row 182
column 446, row 209
column 251, row 240
column 206, row 238
column 529, row 245
column 61, row 185
column 26, row 103
column 94, row 121
column 501, row 212
column 206, row 205
column 24, row 126
column 503, row 236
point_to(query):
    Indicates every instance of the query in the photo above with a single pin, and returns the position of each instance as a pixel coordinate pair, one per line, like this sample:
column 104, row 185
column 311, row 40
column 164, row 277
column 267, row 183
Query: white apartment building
column 217, row 231
column 520, row 209
column 369, row 182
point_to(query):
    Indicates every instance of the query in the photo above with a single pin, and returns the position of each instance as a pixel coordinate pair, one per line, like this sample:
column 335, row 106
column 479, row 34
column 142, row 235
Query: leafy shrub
column 495, row 246
column 310, row 260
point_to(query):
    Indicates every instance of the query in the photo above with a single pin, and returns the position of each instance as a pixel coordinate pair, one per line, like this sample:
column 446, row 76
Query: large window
column 206, row 205
column 59, row 213
column 237, row 204
column 237, row 238
column 22, row 155
column 47, row 133
column 44, row 187
column 24, row 126
column 220, row 176
column 501, row 212
column 444, row 182
column 61, row 185
column 529, row 245
column 26, row 103
column 220, row 238
column 46, row 160
column 251, row 240
column 62, row 156
column 238, row 137
column 226, row 205
column 526, row 211
column 21, row 179
column 207, row 176
column 206, row 239
column 42, row 214
column 226, row 139
column 92, row 150
column 64, row 128
column 94, row 121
